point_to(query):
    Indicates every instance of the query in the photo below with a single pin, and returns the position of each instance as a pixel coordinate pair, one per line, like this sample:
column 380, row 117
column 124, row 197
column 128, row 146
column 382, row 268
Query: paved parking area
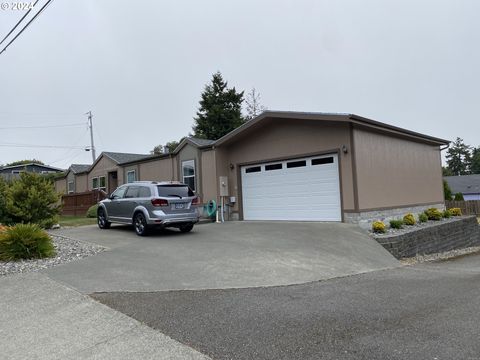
column 217, row 256
column 427, row 311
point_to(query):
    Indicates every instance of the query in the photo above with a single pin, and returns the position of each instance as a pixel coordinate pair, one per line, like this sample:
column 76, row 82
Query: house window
column 71, row 188
column 17, row 171
column 131, row 176
column 102, row 183
column 95, row 183
column 188, row 171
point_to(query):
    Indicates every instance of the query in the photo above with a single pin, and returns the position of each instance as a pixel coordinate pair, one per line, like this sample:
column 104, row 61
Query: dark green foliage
column 396, row 224
column 422, row 217
column 220, row 110
column 31, row 199
column 458, row 197
column 4, row 217
column 447, row 192
column 433, row 214
column 459, row 158
column 23, row 162
column 25, row 241
column 168, row 148
column 92, row 211
column 446, row 171
column 475, row 161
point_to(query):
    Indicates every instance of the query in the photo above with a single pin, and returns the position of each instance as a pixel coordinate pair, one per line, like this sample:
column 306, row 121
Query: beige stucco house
column 297, row 166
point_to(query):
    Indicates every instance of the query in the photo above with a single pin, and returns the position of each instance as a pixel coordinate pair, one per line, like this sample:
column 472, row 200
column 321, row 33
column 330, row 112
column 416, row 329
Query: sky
column 140, row 67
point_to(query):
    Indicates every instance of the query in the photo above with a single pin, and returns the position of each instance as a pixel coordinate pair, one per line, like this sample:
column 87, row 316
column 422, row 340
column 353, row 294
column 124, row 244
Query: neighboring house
column 13, row 172
column 74, row 181
column 468, row 185
column 301, row 167
column 106, row 174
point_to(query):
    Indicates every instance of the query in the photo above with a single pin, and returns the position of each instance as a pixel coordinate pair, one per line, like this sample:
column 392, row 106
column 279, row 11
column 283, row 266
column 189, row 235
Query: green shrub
column 422, row 217
column 92, row 211
column 446, row 214
column 4, row 218
column 25, row 241
column 458, row 197
column 455, row 211
column 31, row 199
column 447, row 192
column 409, row 219
column 396, row 224
column 378, row 227
column 433, row 214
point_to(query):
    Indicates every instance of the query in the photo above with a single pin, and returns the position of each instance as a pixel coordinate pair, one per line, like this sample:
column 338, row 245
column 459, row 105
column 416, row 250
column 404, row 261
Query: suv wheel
column 140, row 224
column 102, row 221
column 186, row 228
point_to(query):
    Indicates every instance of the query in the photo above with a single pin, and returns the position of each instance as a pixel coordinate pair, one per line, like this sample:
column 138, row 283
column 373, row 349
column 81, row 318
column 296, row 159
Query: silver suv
column 147, row 203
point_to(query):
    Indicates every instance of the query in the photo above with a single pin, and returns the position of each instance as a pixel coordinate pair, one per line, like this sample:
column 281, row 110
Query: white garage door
column 305, row 189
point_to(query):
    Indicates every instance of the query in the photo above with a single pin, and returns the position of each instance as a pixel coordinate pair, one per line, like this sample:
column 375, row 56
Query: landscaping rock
column 67, row 250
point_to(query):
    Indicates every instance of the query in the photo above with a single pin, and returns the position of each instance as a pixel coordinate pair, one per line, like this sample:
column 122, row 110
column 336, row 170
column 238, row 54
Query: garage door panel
column 309, row 193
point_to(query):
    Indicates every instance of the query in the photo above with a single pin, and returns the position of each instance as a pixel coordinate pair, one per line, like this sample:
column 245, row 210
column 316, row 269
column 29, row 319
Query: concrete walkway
column 218, row 256
column 41, row 319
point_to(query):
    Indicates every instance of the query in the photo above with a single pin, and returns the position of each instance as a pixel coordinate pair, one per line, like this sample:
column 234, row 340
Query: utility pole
column 90, row 125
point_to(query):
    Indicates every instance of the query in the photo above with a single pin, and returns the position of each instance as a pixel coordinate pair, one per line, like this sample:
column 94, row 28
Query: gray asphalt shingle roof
column 465, row 184
column 120, row 158
column 201, row 142
column 79, row 168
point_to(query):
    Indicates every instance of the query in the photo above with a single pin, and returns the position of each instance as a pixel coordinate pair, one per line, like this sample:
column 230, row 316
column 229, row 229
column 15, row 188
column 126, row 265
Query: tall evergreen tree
column 475, row 163
column 220, row 110
column 459, row 158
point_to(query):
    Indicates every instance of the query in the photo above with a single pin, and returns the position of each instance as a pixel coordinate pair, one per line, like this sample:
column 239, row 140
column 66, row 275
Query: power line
column 26, row 26
column 43, row 126
column 42, row 146
column 18, row 23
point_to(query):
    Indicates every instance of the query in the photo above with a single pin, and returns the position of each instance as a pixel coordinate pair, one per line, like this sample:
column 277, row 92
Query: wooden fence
column 469, row 207
column 78, row 204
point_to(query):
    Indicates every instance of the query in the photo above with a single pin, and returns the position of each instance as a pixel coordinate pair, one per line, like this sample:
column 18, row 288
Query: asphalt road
column 428, row 311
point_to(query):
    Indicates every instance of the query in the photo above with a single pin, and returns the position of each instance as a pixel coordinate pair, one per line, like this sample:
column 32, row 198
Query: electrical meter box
column 223, row 183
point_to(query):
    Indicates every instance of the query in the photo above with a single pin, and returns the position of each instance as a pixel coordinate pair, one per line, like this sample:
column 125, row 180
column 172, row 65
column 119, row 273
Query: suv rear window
column 174, row 190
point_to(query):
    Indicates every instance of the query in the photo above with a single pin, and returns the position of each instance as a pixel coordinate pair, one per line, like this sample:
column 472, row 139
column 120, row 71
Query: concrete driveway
column 217, row 256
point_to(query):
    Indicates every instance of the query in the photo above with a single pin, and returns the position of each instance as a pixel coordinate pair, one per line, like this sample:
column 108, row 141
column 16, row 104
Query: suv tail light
column 196, row 200
column 159, row 202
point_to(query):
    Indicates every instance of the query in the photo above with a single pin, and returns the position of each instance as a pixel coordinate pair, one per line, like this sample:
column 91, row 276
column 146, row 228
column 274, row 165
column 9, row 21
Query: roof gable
column 336, row 117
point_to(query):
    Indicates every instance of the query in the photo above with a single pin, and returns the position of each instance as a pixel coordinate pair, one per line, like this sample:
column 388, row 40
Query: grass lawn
column 76, row 220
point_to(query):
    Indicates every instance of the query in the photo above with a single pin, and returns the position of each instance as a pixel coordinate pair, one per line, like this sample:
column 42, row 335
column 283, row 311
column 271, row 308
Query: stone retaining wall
column 460, row 233
column 365, row 219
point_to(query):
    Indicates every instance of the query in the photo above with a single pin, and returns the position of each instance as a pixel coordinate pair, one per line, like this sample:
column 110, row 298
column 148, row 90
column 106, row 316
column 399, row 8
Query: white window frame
column 16, row 172
column 68, row 187
column 100, row 187
column 191, row 163
column 93, row 183
column 134, row 176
